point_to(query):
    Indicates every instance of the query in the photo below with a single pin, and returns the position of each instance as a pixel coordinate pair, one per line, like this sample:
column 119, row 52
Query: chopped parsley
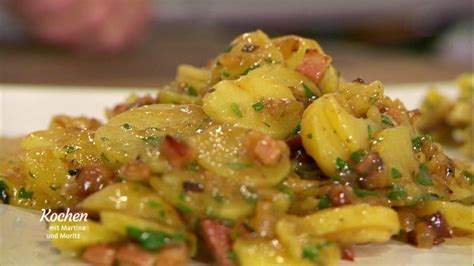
column 154, row 141
column 3, row 192
column 469, row 176
column 363, row 192
column 358, row 156
column 312, row 251
column 295, row 130
column 324, row 202
column 430, row 196
column 387, row 121
column 104, row 157
column 268, row 60
column 288, row 191
column 418, row 141
column 397, row 193
column 236, row 109
column 249, row 69
column 308, row 93
column 369, row 131
column 309, row 136
column 53, row 187
column 395, row 173
column 266, row 124
column 258, row 106
column 154, row 240
column 104, row 139
column 68, row 149
column 152, row 204
column 423, row 177
column 225, row 74
column 232, row 256
column 25, row 194
column 219, row 198
column 32, row 175
column 193, row 166
column 126, row 126
column 182, row 203
column 239, row 165
column 191, row 91
column 342, row 165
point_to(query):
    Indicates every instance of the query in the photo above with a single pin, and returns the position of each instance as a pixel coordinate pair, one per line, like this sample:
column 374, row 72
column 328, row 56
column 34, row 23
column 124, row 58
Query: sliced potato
column 221, row 152
column 72, row 237
column 395, row 148
column 328, row 131
column 220, row 199
column 361, row 223
column 261, row 100
column 129, row 134
column 133, row 199
column 294, row 48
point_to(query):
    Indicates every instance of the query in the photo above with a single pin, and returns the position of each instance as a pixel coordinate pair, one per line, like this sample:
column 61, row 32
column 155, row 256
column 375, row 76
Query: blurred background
column 139, row 43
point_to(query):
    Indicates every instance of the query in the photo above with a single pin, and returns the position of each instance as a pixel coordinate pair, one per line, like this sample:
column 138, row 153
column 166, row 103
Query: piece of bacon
column 132, row 254
column 99, row 255
column 339, row 195
column 135, row 170
column 173, row 256
column 347, row 253
column 93, row 178
column 218, row 239
column 178, row 153
column 264, row 149
column 314, row 65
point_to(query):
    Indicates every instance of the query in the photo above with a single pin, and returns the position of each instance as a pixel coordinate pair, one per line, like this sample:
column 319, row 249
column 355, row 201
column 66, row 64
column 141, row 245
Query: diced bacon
column 314, row 65
column 173, row 256
column 370, row 164
column 132, row 254
column 135, row 171
column 339, row 195
column 347, row 253
column 178, row 153
column 263, row 149
column 99, row 255
column 219, row 241
column 93, row 178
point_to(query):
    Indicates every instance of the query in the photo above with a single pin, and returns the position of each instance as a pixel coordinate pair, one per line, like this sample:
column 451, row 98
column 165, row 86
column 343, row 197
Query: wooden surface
column 154, row 61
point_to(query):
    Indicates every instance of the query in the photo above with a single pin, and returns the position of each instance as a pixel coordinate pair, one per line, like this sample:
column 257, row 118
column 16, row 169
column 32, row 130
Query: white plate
column 28, row 108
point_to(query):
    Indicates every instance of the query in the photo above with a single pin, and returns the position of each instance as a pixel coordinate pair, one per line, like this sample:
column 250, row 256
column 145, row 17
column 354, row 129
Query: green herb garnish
column 423, row 177
column 324, row 202
column 308, row 93
column 369, row 131
column 418, row 141
column 469, row 176
column 295, row 130
column 236, row 109
column 397, row 193
column 312, row 251
column 239, row 165
column 249, row 69
column 32, row 175
column 152, row 204
column 154, row 141
column 309, row 136
column 342, row 165
column 182, row 203
column 104, row 157
column 363, row 192
column 358, row 156
column 395, row 173
column 53, row 187
column 25, row 194
column 387, row 121
column 126, row 126
column 154, row 240
column 191, row 91
column 259, row 106
column 104, row 139
column 68, row 149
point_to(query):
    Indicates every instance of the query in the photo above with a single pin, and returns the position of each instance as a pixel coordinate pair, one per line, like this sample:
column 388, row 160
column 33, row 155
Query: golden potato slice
column 294, row 48
column 361, row 223
column 261, row 100
column 129, row 134
column 220, row 151
column 72, row 237
column 328, row 131
column 133, row 199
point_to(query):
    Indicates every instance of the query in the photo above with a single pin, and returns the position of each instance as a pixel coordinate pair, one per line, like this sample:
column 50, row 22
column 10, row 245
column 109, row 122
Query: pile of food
column 451, row 122
column 266, row 156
